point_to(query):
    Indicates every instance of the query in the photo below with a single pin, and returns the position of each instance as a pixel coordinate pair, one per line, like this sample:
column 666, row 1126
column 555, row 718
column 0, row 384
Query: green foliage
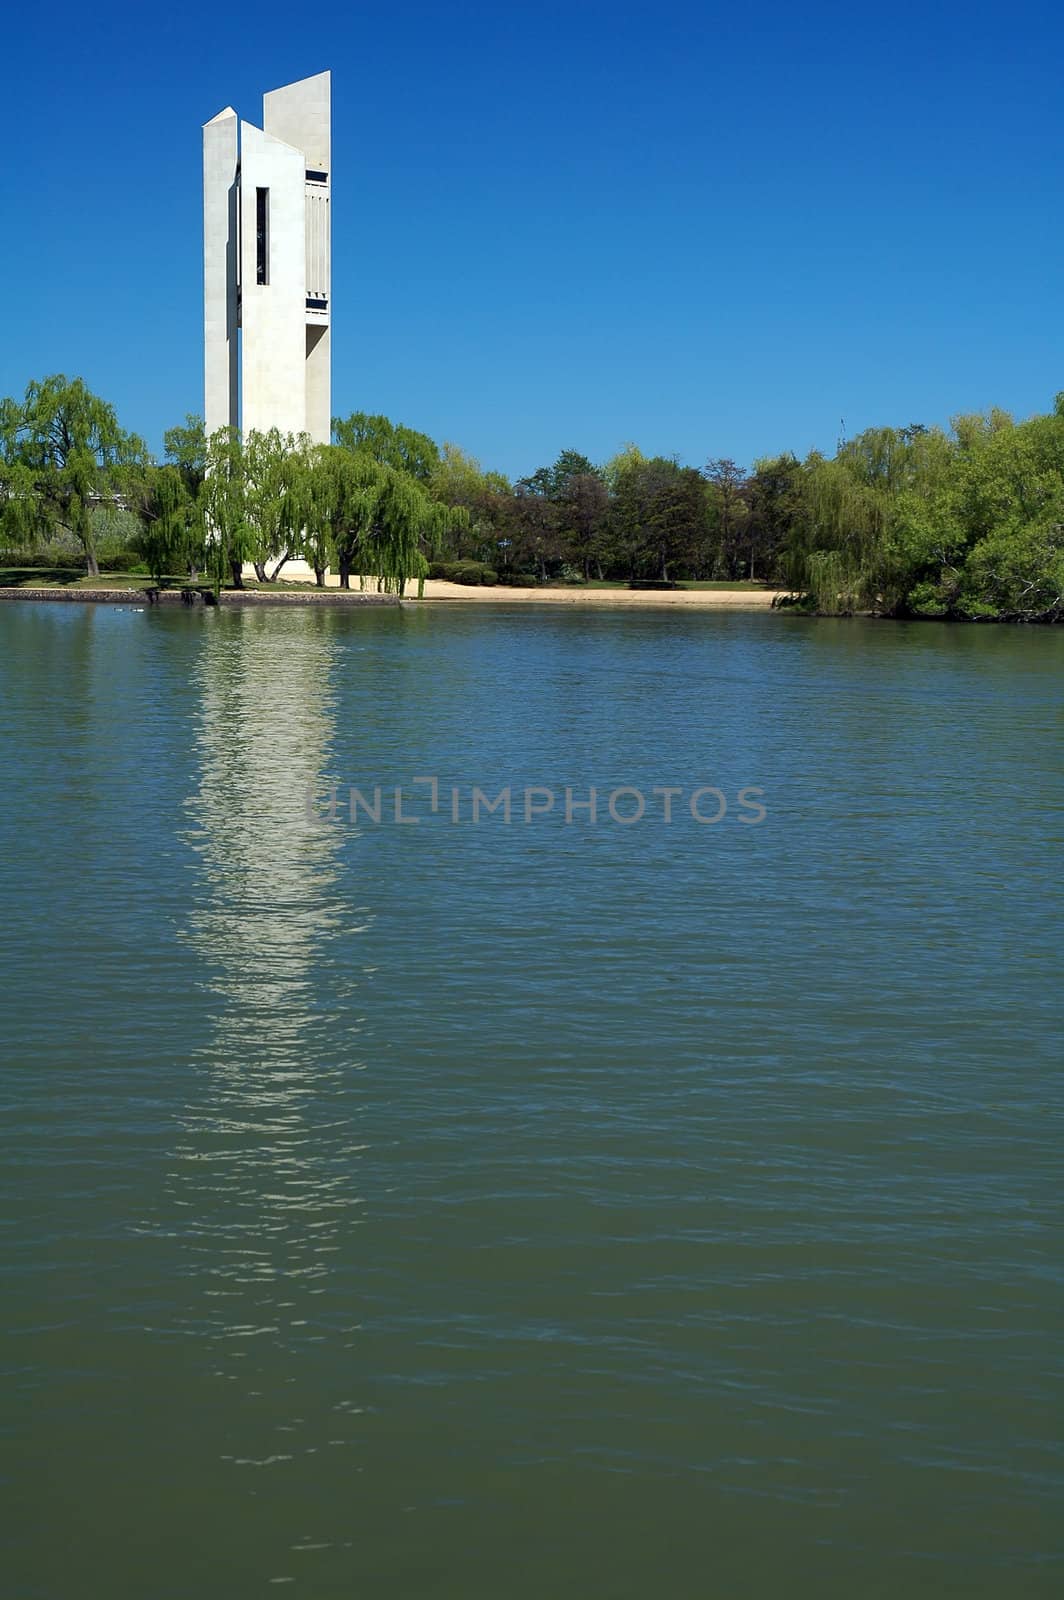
column 458, row 479
column 1016, row 572
column 275, row 495
column 584, row 508
column 388, row 443
column 403, row 517
column 730, row 549
column 911, row 521
column 62, row 452
column 925, row 600
column 116, row 533
column 918, row 522
column 229, row 538
column 658, row 515
column 167, row 523
column 185, row 447
column 471, row 572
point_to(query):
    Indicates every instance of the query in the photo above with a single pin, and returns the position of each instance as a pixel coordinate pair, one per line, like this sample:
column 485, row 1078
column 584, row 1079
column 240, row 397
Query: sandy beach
column 704, row 599
column 559, row 595
column 137, row 593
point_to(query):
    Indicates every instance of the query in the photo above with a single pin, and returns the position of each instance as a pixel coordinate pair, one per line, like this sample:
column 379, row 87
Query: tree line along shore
column 964, row 522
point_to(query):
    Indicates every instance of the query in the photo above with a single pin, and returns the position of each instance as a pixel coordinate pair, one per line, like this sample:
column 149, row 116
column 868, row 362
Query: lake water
column 561, row 1208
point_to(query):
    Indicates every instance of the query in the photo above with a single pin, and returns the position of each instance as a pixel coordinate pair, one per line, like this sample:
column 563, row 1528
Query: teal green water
column 560, row 1209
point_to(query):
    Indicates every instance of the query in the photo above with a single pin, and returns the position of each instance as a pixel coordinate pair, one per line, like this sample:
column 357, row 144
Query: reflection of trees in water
column 265, row 1170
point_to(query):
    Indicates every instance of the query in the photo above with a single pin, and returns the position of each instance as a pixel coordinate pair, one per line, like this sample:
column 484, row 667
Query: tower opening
column 262, row 236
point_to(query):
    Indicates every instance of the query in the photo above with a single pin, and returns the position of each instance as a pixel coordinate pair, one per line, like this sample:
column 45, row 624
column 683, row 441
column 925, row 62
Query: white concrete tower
column 266, row 264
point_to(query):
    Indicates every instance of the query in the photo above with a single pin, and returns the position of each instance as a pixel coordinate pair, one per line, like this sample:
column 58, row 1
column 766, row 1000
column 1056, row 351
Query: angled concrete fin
column 300, row 114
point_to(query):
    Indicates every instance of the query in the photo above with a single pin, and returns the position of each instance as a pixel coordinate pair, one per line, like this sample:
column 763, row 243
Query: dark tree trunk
column 319, row 577
column 92, row 566
column 345, row 569
column 276, row 571
column 260, row 570
column 236, row 568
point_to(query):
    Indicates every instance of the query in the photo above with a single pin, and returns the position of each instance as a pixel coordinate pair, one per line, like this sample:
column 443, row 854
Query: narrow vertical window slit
column 262, row 235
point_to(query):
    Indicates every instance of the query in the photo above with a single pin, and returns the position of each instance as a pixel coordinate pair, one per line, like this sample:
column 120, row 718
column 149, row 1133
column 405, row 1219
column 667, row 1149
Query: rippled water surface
column 560, row 1209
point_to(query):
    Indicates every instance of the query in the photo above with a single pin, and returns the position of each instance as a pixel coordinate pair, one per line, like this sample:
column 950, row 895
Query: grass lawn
column 74, row 578
column 296, row 583
column 730, row 583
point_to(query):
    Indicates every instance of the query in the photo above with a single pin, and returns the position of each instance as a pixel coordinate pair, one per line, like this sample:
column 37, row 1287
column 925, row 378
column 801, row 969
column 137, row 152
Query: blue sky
column 714, row 230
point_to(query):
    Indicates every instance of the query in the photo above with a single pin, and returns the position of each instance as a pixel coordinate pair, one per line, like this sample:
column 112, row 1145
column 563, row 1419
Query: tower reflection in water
column 266, row 1170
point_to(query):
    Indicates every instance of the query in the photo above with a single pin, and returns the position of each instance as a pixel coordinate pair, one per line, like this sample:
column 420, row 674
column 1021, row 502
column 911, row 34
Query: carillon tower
column 266, row 265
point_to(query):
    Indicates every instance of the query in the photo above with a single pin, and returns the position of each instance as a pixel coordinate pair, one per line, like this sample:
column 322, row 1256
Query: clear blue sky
column 712, row 229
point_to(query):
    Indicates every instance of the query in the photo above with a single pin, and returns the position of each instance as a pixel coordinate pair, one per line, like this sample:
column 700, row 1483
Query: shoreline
column 705, row 599
column 144, row 599
column 435, row 591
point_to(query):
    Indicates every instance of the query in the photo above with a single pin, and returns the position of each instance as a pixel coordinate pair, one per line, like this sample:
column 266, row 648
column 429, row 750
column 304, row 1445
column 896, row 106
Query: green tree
column 62, row 452
column 340, row 494
column 729, row 518
column 1016, row 573
column 584, row 509
column 569, row 465
column 371, row 518
column 274, row 465
column 530, row 532
column 658, row 514
column 459, row 482
column 229, row 538
column 170, row 519
column 185, row 447
column 776, row 489
column 388, row 443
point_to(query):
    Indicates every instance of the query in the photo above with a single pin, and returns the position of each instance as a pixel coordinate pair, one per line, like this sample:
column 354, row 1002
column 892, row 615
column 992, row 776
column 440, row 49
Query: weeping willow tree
column 328, row 501
column 406, row 529
column 843, row 549
column 61, row 453
column 308, row 515
column 274, row 466
column 253, row 502
column 836, row 537
column 394, row 545
column 171, row 518
column 223, row 506
column 373, row 519
column 389, row 443
column 343, row 493
column 831, row 584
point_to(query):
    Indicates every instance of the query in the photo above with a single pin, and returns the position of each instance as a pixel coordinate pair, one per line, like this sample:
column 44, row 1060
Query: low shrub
column 42, row 560
column 120, row 557
column 925, row 600
column 652, row 583
column 471, row 572
column 518, row 580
